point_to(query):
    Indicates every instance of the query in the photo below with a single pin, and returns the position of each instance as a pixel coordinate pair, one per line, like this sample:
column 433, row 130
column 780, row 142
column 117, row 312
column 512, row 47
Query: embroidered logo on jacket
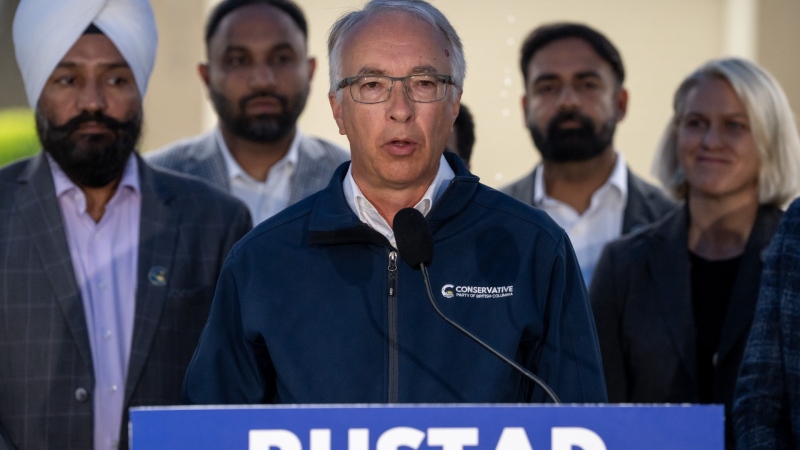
column 450, row 291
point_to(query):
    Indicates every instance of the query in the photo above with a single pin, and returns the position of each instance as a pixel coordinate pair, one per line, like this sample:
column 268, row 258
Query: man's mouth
column 92, row 127
column 569, row 124
column 264, row 105
column 400, row 146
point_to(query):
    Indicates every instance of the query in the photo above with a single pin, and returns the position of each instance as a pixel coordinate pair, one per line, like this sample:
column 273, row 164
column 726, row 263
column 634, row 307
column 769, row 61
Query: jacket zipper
column 394, row 370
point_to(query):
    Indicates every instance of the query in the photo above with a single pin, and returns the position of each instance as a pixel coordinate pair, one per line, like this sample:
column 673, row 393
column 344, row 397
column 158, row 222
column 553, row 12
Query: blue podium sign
column 418, row 427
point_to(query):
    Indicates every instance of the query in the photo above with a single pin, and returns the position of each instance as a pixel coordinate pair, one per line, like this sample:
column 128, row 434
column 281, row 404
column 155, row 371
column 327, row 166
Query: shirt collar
column 129, row 180
column 618, row 179
column 366, row 211
column 235, row 170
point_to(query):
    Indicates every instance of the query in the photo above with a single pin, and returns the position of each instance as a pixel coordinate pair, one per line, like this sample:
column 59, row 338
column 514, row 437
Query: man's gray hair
column 416, row 8
column 771, row 123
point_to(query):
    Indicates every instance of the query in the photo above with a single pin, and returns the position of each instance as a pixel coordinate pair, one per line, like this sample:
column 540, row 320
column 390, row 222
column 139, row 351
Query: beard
column 265, row 128
column 93, row 160
column 572, row 144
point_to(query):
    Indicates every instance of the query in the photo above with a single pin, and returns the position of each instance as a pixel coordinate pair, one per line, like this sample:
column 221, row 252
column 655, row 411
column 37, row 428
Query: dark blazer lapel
column 748, row 278
column 668, row 256
column 157, row 238
column 39, row 209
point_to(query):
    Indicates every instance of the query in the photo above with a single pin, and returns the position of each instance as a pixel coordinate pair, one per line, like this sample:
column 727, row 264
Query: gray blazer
column 646, row 203
column 201, row 156
column 46, row 369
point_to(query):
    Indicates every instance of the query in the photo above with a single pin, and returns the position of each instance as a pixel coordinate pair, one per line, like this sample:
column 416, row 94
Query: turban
column 45, row 30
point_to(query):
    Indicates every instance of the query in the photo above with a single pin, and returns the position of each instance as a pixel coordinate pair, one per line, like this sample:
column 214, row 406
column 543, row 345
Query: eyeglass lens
column 420, row 88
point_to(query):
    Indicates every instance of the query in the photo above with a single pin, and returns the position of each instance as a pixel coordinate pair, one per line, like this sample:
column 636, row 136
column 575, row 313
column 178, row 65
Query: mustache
column 96, row 160
column 567, row 116
column 263, row 94
column 73, row 124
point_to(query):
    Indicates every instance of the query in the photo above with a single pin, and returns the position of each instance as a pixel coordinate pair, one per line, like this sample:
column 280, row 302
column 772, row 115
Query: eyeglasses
column 377, row 89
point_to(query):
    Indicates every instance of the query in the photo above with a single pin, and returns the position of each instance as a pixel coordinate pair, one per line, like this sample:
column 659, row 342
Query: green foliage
column 18, row 138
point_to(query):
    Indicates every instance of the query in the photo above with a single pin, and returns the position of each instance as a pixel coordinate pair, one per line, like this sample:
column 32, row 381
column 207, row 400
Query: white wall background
column 661, row 41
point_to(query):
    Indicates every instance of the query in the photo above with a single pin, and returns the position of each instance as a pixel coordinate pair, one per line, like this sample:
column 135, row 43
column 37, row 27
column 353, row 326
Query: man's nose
column 568, row 98
column 401, row 108
column 92, row 97
column 263, row 75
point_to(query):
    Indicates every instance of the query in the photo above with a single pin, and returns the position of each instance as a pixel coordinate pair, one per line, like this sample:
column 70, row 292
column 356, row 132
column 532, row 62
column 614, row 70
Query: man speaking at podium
column 316, row 305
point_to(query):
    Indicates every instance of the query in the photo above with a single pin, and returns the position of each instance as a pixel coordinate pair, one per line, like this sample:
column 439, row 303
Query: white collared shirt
column 370, row 216
column 601, row 223
column 263, row 199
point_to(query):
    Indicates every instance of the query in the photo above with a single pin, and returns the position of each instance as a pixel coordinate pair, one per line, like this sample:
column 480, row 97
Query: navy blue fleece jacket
column 313, row 306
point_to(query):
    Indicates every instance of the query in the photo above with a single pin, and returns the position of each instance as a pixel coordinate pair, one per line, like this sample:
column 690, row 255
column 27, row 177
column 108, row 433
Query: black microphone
column 415, row 245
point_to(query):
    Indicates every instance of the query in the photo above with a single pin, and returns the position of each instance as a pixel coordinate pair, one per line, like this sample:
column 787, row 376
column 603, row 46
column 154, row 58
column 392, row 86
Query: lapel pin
column 157, row 276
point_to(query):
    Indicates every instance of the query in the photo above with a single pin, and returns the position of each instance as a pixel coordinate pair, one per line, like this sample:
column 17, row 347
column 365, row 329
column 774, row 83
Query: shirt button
column 113, row 388
column 715, row 359
column 81, row 395
column 107, row 335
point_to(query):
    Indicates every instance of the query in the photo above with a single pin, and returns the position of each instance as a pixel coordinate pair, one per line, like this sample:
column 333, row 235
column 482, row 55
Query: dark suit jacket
column 46, row 370
column 766, row 411
column 641, row 297
column 646, row 203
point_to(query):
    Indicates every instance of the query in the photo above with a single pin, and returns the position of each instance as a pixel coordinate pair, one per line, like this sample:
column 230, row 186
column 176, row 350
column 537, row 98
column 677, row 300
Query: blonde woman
column 673, row 303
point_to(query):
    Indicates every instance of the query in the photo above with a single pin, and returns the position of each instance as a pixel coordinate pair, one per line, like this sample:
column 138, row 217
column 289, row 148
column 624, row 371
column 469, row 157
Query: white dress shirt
column 263, row 199
column 601, row 223
column 105, row 255
column 367, row 213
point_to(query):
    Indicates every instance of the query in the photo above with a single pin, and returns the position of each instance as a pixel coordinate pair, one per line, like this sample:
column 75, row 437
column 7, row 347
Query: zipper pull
column 392, row 271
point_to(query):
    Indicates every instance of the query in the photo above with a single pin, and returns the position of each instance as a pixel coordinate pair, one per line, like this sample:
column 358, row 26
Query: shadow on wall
column 18, row 137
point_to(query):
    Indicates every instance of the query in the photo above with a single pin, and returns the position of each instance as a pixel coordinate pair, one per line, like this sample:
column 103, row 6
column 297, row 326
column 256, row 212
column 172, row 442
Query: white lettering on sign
column 280, row 439
column 568, row 437
column 320, row 439
column 358, row 439
column 395, row 438
column 452, row 438
column 511, row 438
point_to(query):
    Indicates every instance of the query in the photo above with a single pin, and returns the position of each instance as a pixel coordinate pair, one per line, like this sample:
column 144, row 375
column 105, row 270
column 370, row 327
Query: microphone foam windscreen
column 414, row 241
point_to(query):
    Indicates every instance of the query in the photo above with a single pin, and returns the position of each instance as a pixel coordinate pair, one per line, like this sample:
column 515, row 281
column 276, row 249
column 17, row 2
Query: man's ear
column 312, row 67
column 202, row 70
column 621, row 102
column 524, row 103
column 457, row 104
column 336, row 108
